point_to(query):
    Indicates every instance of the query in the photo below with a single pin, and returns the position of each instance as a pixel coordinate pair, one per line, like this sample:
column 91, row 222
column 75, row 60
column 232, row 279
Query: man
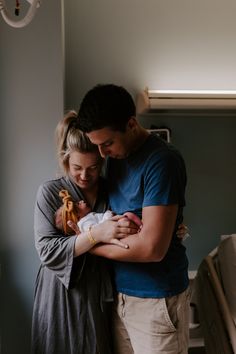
column 146, row 176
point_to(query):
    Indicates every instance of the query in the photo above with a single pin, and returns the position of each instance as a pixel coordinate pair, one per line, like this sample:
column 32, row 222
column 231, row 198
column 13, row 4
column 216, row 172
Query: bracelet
column 90, row 237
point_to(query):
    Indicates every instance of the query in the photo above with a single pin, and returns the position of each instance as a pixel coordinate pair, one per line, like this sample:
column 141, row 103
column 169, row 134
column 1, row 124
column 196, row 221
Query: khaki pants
column 151, row 326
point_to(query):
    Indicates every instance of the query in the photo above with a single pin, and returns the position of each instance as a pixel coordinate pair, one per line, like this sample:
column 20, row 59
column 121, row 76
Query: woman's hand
column 182, row 232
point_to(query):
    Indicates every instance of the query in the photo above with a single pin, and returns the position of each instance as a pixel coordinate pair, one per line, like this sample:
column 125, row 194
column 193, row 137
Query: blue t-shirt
column 154, row 175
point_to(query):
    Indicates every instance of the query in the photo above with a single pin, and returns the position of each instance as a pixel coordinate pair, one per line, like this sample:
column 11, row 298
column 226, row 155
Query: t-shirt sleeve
column 164, row 180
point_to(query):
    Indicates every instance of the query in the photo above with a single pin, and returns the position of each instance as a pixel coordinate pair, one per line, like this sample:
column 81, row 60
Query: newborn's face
column 83, row 209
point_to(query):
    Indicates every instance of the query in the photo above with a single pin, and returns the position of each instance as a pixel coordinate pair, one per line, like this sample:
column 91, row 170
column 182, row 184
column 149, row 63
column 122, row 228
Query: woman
column 73, row 290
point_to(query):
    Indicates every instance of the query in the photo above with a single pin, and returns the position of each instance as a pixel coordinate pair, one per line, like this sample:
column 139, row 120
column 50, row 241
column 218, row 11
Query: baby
column 81, row 214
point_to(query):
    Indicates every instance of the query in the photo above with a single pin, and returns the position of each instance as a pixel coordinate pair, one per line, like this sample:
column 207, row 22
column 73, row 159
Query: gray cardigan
column 72, row 295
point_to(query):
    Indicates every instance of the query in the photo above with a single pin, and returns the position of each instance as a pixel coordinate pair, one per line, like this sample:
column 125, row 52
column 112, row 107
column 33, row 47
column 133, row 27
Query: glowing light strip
column 149, row 100
column 192, row 93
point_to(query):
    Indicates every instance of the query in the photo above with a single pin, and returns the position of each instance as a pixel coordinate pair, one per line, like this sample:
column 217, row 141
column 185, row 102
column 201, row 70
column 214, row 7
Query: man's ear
column 132, row 123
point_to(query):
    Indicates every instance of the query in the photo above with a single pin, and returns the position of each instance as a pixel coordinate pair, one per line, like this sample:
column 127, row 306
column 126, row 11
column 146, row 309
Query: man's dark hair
column 106, row 106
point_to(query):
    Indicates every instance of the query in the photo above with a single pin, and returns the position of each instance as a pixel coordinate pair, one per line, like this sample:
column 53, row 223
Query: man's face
column 112, row 143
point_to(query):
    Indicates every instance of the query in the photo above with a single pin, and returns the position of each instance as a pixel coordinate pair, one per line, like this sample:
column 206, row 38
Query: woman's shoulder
column 53, row 183
column 52, row 186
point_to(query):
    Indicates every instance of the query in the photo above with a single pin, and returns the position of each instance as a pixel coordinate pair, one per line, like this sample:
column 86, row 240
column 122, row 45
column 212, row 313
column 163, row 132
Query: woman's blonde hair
column 69, row 138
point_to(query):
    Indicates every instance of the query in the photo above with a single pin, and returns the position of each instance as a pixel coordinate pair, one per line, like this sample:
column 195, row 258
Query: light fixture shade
column 150, row 100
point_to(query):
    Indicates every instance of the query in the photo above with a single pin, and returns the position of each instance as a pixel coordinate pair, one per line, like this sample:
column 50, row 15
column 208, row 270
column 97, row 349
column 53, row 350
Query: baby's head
column 82, row 209
column 70, row 211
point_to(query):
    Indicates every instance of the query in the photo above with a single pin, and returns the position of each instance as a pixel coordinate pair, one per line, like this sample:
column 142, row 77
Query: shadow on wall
column 15, row 317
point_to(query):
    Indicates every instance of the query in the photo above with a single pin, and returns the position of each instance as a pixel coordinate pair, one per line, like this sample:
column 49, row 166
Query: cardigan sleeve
column 55, row 249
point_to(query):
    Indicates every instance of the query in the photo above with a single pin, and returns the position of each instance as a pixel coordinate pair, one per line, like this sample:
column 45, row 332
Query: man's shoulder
column 165, row 151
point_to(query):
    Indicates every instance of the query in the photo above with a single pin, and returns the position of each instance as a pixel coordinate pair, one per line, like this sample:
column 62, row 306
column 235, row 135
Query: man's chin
column 119, row 157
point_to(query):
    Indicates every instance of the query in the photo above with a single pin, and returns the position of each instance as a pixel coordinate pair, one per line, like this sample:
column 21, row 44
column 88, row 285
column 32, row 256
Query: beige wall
column 31, row 102
column 166, row 44
column 162, row 44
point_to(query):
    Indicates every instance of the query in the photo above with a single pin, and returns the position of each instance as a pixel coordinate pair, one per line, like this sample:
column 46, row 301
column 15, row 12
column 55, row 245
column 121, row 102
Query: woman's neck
column 91, row 195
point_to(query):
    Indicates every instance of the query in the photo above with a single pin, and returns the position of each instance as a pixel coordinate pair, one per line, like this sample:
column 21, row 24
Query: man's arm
column 151, row 243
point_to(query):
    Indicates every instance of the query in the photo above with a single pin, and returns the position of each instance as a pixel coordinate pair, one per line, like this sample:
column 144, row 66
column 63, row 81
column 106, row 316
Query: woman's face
column 85, row 168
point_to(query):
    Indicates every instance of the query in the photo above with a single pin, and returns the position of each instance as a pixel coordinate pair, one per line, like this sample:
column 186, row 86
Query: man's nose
column 103, row 151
